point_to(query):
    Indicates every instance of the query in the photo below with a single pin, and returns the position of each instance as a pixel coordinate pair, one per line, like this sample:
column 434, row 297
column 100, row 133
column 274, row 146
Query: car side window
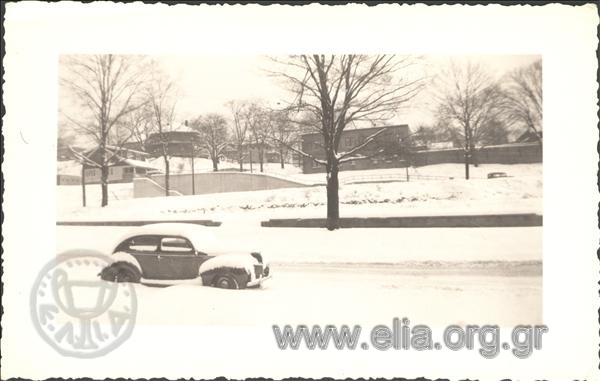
column 176, row 245
column 143, row 243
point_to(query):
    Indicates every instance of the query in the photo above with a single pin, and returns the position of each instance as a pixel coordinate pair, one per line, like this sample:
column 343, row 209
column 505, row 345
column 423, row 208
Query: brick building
column 178, row 144
column 390, row 142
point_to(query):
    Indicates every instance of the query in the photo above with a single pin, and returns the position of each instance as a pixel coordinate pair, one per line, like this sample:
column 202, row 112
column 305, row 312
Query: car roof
column 200, row 236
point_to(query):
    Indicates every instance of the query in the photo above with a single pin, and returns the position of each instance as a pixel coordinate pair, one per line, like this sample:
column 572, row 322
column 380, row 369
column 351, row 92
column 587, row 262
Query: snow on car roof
column 200, row 236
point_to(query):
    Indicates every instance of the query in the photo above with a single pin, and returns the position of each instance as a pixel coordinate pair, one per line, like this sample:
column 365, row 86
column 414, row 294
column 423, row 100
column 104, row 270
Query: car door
column 145, row 249
column 178, row 259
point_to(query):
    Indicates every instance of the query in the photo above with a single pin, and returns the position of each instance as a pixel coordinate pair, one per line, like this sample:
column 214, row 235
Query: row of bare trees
column 471, row 105
column 475, row 109
column 256, row 126
column 127, row 97
column 118, row 99
column 124, row 99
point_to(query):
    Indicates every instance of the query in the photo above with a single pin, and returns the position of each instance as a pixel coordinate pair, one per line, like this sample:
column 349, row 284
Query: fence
column 211, row 182
column 518, row 153
column 389, row 178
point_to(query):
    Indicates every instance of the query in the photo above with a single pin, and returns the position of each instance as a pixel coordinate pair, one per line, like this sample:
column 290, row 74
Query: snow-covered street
column 353, row 295
column 434, row 276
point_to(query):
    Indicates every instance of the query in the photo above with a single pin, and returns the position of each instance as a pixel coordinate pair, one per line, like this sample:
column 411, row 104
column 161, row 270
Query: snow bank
column 69, row 197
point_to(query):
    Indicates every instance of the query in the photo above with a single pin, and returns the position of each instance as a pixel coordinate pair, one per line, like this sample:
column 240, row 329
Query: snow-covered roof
column 122, row 148
column 200, row 236
column 139, row 164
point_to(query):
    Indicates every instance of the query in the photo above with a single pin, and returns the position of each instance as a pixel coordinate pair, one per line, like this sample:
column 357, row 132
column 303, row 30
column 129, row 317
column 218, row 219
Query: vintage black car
column 173, row 253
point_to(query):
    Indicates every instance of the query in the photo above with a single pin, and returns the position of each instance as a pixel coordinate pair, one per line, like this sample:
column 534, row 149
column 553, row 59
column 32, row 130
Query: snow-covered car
column 172, row 253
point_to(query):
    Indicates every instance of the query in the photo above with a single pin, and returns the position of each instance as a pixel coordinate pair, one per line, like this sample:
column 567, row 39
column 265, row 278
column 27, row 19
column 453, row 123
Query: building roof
column 138, row 164
column 114, row 148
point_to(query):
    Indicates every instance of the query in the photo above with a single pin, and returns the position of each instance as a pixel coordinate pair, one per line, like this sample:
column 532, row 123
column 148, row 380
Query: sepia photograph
column 375, row 177
column 342, row 191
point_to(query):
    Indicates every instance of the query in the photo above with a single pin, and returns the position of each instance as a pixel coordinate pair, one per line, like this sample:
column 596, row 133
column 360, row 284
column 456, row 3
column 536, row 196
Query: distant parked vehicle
column 493, row 175
column 172, row 253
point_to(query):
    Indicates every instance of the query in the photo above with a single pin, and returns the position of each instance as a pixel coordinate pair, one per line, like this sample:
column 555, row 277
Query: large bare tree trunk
column 104, row 183
column 333, row 202
column 241, row 158
column 467, row 151
column 167, row 172
column 103, row 172
column 281, row 158
column 215, row 162
column 261, row 158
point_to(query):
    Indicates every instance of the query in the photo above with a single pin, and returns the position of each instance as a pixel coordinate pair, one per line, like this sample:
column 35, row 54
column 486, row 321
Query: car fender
column 238, row 262
column 121, row 256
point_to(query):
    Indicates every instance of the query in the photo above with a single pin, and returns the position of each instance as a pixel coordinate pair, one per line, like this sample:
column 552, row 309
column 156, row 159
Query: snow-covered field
column 520, row 193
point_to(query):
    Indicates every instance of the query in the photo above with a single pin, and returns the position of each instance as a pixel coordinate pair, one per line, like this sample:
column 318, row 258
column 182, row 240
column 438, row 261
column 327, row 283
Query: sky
column 206, row 83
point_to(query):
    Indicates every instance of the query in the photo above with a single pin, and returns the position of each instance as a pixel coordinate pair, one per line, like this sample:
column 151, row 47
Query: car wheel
column 226, row 281
column 121, row 273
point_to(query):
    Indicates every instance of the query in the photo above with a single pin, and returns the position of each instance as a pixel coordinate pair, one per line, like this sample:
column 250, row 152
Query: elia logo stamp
column 76, row 312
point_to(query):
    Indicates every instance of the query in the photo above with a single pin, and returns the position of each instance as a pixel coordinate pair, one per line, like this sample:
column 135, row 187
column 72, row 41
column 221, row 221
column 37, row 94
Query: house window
column 349, row 141
column 128, row 170
column 111, row 171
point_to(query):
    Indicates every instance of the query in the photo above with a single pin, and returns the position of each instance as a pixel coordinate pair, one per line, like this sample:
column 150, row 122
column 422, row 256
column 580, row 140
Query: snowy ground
column 352, row 276
column 362, row 295
column 521, row 193
column 357, row 275
column 292, row 245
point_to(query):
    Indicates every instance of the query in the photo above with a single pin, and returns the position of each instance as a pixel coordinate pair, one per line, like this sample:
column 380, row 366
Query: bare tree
column 340, row 91
column 524, row 98
column 259, row 124
column 283, row 132
column 213, row 136
column 470, row 103
column 160, row 93
column 239, row 135
column 107, row 89
column 139, row 124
